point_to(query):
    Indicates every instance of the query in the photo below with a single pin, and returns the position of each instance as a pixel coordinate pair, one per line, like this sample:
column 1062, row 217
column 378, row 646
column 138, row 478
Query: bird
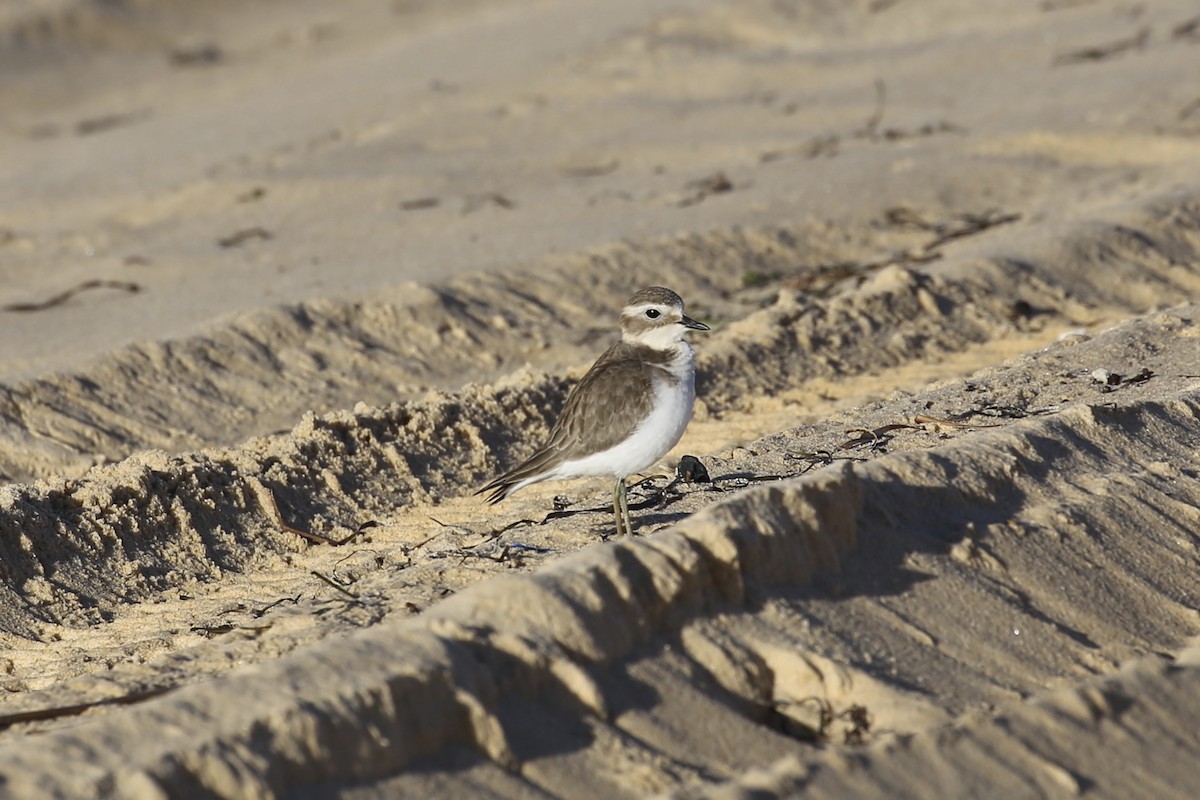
column 629, row 409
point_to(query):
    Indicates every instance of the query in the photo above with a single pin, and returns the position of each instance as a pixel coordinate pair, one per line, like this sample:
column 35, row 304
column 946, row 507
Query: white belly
column 657, row 434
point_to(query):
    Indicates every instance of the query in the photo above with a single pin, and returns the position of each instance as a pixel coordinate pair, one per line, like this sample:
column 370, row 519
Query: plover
column 628, row 410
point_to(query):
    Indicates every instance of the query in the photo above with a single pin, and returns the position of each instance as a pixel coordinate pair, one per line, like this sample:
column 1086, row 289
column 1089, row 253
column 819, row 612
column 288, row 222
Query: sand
column 283, row 283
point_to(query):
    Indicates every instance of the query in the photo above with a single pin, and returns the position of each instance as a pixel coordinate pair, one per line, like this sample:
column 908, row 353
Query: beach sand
column 282, row 284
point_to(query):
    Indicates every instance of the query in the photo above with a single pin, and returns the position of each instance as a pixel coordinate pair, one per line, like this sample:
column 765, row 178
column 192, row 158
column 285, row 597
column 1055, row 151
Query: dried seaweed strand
column 42, row 714
column 62, row 297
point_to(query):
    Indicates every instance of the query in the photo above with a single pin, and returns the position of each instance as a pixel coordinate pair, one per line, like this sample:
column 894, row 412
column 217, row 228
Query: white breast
column 657, row 434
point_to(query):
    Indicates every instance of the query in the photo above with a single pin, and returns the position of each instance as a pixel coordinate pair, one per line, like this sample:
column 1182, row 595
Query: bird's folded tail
column 535, row 469
column 498, row 491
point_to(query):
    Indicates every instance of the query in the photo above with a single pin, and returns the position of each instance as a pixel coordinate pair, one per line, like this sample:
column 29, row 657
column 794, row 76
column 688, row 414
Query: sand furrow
column 1127, row 735
column 207, row 389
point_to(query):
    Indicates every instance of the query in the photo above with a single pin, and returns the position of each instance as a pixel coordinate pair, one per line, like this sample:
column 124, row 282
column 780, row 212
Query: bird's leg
column 624, row 500
column 617, row 487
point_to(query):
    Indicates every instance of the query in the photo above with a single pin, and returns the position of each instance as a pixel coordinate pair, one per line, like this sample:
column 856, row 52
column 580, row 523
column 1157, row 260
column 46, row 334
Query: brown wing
column 593, row 419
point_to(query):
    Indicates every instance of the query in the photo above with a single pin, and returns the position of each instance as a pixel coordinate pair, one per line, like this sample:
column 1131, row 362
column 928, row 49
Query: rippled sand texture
column 282, row 283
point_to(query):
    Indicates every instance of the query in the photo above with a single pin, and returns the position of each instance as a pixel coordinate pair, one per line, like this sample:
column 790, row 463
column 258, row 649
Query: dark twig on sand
column 827, row 144
column 62, row 297
column 823, row 276
column 1188, row 29
column 42, row 714
column 717, row 183
column 1101, row 52
column 259, row 612
column 944, row 231
column 925, row 419
column 272, row 507
column 871, row 129
column 239, row 238
column 336, row 585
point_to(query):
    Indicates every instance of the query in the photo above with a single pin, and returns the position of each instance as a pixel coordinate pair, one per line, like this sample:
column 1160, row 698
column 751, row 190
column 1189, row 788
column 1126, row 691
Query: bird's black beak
column 688, row 322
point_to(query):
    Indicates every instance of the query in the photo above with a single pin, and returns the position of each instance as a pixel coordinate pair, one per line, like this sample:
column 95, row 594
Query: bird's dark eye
column 652, row 313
